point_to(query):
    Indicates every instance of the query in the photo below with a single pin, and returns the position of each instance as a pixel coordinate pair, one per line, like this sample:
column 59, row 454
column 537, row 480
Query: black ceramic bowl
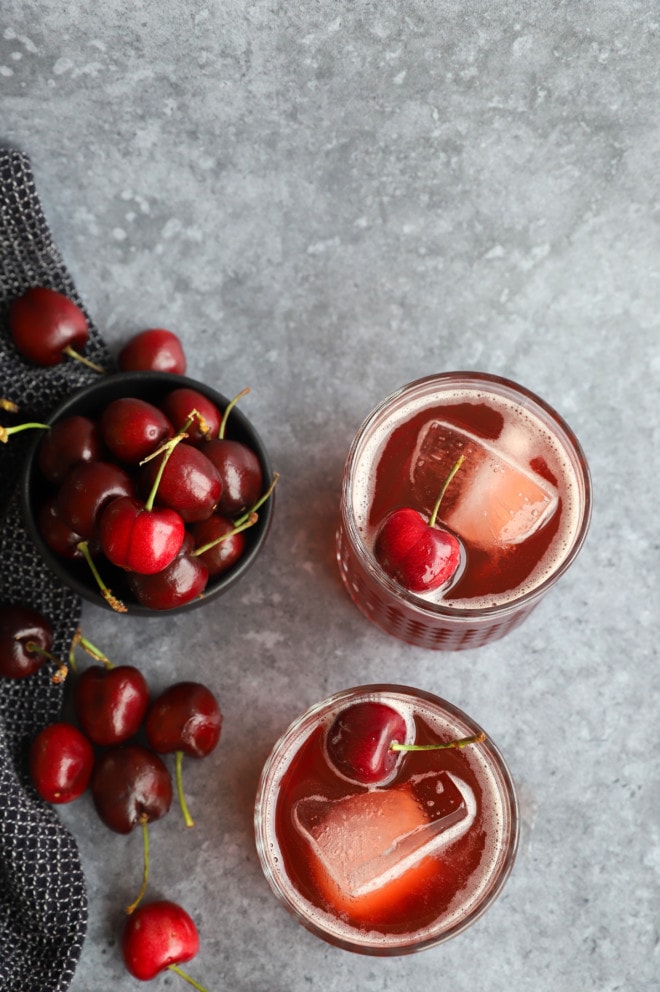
column 91, row 401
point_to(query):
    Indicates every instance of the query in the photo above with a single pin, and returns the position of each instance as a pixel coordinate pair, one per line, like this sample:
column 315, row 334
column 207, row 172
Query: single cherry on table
column 159, row 935
column 26, row 639
column 153, row 350
column 111, row 702
column 61, row 759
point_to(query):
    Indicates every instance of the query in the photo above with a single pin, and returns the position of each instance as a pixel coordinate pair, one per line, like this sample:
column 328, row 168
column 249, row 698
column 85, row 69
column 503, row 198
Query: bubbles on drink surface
column 495, row 500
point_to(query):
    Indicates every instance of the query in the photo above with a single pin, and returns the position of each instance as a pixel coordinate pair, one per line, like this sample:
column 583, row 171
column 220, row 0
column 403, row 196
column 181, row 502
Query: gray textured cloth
column 43, row 899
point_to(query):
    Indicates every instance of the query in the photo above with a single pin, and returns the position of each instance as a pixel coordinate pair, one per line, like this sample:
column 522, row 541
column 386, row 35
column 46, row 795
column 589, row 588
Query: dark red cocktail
column 520, row 504
column 402, row 861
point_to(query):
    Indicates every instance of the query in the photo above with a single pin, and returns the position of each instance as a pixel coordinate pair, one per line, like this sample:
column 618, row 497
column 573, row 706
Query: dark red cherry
column 156, row 936
column 179, row 406
column 111, row 702
column 130, row 785
column 182, row 581
column 86, row 490
column 358, row 741
column 61, row 759
column 139, row 539
column 133, row 428
column 185, row 717
column 225, row 553
column 190, row 483
column 47, row 326
column 153, row 350
column 69, row 441
column 56, row 533
column 240, row 472
column 416, row 552
column 26, row 638
column 419, row 556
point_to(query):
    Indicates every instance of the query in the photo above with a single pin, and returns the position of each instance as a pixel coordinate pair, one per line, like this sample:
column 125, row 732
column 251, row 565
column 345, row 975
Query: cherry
column 86, row 490
column 133, row 428
column 130, row 785
column 190, row 483
column 415, row 552
column 110, row 702
column 183, row 580
column 220, row 555
column 184, row 719
column 155, row 350
column 46, row 326
column 238, row 467
column 139, row 538
column 56, row 533
column 358, row 742
column 159, row 935
column 179, row 406
column 26, row 638
column 60, row 760
column 71, row 440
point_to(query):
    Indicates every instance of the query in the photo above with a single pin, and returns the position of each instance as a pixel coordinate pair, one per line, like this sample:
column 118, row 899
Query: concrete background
column 326, row 200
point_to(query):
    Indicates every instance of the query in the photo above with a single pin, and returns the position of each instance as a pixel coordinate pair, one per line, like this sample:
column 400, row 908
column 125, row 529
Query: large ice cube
column 494, row 499
column 366, row 843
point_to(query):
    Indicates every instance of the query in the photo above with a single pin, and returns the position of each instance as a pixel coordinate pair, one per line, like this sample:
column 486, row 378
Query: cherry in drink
column 519, row 505
column 385, row 851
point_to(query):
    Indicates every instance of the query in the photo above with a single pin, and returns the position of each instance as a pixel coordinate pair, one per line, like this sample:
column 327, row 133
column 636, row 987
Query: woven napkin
column 43, row 899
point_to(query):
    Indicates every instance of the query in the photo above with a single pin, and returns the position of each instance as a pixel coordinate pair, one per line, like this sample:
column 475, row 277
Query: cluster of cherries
column 155, row 489
column 114, row 746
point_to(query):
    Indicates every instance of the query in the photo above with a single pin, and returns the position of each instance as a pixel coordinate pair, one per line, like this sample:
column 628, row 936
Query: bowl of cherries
column 148, row 492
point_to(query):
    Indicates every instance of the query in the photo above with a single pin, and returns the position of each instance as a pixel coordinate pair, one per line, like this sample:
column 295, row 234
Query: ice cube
column 494, row 499
column 367, row 843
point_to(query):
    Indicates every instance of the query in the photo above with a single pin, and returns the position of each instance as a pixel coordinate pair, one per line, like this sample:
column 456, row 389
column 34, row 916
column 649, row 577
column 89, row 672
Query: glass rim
column 570, row 444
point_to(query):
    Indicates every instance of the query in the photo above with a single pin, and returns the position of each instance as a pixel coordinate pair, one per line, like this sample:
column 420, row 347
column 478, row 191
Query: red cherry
column 156, row 936
column 155, row 350
column 417, row 555
column 223, row 555
column 190, row 483
column 139, row 539
column 358, row 741
column 179, row 583
column 71, row 440
column 56, row 533
column 179, row 405
column 130, row 785
column 26, row 638
column 46, row 326
column 111, row 702
column 240, row 472
column 185, row 717
column 86, row 490
column 61, row 759
column 415, row 552
column 133, row 428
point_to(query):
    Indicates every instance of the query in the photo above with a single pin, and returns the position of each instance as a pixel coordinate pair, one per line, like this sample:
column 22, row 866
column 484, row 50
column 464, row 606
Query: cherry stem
column 181, row 973
column 72, row 353
column 62, row 669
column 166, row 449
column 202, row 423
column 460, row 743
column 260, row 501
column 454, row 469
column 178, row 764
column 230, row 406
column 107, row 594
column 8, row 405
column 223, row 537
column 5, row 432
column 145, row 871
column 94, row 652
